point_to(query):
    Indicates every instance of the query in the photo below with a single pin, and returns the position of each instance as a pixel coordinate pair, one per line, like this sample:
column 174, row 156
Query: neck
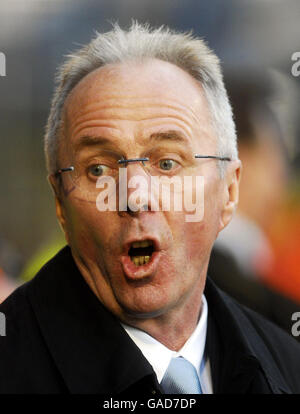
column 173, row 328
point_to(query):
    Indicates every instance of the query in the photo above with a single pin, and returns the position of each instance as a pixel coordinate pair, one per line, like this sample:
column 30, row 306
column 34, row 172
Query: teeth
column 140, row 260
column 143, row 243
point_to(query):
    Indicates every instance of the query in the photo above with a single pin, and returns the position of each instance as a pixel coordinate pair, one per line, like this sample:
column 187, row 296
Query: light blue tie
column 181, row 378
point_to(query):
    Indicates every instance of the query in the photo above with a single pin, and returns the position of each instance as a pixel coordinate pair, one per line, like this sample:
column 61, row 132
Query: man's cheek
column 195, row 240
column 79, row 227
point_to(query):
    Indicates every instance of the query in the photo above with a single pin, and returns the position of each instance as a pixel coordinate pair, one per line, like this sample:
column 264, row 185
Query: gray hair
column 141, row 42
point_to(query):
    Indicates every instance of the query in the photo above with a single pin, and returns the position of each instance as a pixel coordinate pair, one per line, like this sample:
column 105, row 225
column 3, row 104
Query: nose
column 134, row 189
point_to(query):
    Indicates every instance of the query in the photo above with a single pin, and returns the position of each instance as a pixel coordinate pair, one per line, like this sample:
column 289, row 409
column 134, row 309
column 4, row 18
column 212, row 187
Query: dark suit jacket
column 251, row 291
column 60, row 339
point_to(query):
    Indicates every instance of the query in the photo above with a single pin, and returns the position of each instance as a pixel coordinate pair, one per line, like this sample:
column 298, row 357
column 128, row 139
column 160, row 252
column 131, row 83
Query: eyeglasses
column 85, row 173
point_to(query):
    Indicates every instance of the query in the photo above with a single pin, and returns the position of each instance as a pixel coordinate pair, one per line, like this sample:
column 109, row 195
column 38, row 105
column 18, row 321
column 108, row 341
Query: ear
column 60, row 213
column 231, row 192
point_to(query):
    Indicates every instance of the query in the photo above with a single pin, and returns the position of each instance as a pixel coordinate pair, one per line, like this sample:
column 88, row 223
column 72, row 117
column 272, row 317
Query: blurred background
column 255, row 40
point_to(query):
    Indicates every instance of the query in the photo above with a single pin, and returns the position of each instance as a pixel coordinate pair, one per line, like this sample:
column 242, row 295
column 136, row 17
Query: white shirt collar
column 159, row 356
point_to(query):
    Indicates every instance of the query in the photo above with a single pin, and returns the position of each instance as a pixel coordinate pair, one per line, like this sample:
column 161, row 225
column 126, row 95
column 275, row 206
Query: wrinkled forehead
column 143, row 93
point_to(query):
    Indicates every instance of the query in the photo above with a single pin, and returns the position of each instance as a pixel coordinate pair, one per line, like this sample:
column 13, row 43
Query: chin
column 145, row 304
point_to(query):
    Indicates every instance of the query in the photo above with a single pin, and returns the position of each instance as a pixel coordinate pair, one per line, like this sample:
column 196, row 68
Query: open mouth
column 141, row 258
column 140, row 252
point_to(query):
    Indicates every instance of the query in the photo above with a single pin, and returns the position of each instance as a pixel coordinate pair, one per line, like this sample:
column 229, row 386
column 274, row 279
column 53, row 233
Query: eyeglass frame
column 143, row 160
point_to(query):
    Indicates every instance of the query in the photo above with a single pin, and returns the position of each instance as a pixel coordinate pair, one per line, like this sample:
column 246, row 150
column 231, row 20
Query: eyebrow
column 90, row 141
column 172, row 135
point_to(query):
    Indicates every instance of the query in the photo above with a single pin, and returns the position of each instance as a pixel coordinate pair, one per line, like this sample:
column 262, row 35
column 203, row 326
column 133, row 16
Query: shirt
column 159, row 356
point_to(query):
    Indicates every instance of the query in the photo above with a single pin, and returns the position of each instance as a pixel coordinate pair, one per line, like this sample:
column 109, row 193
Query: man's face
column 126, row 106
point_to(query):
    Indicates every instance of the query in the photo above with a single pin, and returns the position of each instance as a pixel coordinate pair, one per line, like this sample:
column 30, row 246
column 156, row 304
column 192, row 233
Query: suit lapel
column 236, row 350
